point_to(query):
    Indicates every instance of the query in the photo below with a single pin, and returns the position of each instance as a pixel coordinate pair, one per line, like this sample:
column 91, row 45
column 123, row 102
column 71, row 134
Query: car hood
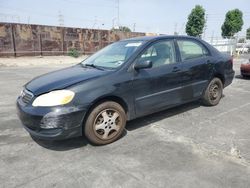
column 63, row 78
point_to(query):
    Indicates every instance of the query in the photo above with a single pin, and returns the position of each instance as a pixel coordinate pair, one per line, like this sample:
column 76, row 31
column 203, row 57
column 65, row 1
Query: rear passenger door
column 195, row 58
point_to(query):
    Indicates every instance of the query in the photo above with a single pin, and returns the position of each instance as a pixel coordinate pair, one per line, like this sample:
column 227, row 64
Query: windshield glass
column 113, row 55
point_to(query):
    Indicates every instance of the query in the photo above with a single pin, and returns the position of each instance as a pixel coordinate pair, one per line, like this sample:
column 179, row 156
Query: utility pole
column 118, row 13
column 212, row 38
column 181, row 31
column 175, row 29
column 95, row 22
column 134, row 27
column 28, row 21
column 60, row 19
column 113, row 23
column 205, row 27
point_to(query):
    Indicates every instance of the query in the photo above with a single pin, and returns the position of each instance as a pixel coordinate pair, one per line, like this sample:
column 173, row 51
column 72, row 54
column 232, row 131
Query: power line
column 11, row 17
column 86, row 4
column 50, row 15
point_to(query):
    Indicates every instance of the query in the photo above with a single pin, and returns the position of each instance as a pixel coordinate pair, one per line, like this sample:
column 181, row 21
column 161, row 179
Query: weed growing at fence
column 73, row 53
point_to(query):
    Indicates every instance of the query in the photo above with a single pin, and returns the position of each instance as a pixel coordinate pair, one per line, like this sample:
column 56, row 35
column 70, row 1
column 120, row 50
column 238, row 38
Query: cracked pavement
column 187, row 146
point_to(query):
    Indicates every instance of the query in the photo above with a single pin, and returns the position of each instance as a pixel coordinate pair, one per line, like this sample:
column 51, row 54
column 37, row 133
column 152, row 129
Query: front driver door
column 158, row 87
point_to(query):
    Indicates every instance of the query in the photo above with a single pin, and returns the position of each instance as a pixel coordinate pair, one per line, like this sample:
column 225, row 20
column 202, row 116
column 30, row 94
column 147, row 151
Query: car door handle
column 176, row 69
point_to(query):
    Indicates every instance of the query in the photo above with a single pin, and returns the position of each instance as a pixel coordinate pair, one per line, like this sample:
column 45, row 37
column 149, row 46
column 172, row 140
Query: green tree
column 248, row 33
column 233, row 23
column 122, row 28
column 196, row 21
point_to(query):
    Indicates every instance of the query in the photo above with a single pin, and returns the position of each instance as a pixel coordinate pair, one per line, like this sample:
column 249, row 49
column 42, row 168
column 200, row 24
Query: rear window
column 191, row 50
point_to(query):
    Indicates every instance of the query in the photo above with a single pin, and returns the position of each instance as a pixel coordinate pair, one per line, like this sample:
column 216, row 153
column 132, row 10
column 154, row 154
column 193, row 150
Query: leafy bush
column 73, row 52
column 122, row 28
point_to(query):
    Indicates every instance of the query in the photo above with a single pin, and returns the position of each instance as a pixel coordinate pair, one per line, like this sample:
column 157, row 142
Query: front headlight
column 54, row 98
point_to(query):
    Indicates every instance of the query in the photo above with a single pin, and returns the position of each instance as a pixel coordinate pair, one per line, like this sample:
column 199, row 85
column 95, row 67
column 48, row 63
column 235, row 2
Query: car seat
column 163, row 55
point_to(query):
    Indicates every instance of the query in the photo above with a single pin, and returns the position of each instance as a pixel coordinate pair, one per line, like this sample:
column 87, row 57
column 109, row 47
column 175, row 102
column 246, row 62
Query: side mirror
column 143, row 65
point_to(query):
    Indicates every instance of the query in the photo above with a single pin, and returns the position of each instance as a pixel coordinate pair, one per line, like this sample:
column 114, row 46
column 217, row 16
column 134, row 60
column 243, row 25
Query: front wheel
column 213, row 92
column 105, row 123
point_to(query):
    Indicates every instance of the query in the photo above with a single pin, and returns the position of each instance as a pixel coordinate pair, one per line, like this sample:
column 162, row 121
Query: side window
column 191, row 50
column 150, row 52
column 160, row 53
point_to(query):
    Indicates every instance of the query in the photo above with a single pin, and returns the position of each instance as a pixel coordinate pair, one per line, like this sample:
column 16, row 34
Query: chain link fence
column 231, row 45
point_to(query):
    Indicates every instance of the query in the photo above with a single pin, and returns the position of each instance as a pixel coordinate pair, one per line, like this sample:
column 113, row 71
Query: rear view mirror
column 143, row 65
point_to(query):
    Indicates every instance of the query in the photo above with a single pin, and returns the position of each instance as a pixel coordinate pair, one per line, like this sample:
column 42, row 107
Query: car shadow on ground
column 147, row 120
column 62, row 145
column 67, row 144
column 241, row 77
column 73, row 143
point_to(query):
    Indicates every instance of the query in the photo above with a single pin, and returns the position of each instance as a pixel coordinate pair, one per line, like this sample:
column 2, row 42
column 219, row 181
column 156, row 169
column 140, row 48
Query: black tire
column 213, row 92
column 244, row 76
column 102, row 126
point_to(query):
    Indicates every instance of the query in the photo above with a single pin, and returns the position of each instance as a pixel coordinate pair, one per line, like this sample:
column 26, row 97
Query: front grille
column 26, row 96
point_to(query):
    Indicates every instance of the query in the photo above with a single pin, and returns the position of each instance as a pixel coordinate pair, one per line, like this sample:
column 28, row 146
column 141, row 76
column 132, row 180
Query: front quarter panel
column 112, row 85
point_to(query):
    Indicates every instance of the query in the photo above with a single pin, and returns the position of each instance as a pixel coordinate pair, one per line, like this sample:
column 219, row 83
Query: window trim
column 196, row 42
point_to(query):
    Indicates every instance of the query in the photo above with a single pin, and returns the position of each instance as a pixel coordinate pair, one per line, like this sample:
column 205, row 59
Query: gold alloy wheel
column 107, row 124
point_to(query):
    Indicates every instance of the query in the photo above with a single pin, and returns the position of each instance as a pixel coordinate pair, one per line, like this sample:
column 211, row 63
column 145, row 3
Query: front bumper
column 53, row 123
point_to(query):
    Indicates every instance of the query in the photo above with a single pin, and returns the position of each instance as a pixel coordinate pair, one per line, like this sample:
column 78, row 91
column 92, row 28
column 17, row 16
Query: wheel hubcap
column 107, row 124
column 214, row 91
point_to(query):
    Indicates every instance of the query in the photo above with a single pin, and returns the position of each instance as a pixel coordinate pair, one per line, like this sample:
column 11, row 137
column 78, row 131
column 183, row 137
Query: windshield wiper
column 93, row 66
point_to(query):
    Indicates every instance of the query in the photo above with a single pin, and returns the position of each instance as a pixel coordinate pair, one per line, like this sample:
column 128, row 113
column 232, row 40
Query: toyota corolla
column 123, row 81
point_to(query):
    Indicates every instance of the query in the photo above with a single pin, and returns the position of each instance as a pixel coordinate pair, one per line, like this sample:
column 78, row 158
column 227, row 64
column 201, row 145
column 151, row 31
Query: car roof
column 149, row 38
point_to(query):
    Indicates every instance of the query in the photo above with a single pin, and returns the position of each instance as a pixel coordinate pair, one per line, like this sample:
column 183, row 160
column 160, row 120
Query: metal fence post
column 13, row 40
column 63, row 40
column 40, row 42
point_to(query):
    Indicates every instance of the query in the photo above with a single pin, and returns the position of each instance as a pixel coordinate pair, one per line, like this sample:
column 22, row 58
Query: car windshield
column 113, row 55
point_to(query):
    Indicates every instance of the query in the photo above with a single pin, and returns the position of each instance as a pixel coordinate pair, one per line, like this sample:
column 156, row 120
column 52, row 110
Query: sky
column 158, row 16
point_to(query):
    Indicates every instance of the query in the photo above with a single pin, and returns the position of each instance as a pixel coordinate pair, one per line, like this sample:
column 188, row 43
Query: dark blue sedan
column 123, row 81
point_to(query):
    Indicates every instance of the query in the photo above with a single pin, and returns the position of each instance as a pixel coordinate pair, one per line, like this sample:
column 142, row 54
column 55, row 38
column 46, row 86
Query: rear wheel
column 213, row 92
column 105, row 123
column 244, row 76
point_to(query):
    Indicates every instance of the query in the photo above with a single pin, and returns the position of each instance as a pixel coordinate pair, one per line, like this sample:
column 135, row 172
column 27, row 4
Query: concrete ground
column 40, row 60
column 188, row 146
